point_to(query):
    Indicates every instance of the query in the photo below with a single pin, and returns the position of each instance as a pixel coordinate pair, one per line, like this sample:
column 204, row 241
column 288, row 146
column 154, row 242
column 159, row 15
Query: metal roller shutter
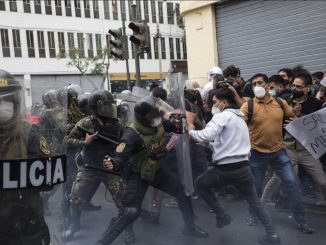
column 264, row 36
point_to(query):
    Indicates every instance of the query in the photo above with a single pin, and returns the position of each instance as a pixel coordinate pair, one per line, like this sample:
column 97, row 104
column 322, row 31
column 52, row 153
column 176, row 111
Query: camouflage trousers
column 85, row 180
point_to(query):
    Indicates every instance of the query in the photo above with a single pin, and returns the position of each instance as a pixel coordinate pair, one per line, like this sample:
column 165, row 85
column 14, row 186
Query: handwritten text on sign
column 310, row 131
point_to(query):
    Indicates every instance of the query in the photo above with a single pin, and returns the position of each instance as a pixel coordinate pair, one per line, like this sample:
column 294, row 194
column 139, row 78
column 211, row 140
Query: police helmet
column 9, row 90
column 146, row 111
column 49, row 98
column 102, row 103
column 83, row 103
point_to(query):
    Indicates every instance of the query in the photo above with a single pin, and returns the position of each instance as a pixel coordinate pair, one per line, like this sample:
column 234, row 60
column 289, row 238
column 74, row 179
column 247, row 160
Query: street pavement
column 169, row 231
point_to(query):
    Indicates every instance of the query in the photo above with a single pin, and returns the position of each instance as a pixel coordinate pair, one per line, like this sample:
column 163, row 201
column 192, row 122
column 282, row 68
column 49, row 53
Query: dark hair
column 159, row 92
column 231, row 71
column 298, row 70
column 153, row 85
column 190, row 95
column 225, row 94
column 318, row 75
column 277, row 79
column 216, row 79
column 265, row 78
column 288, row 72
column 306, row 78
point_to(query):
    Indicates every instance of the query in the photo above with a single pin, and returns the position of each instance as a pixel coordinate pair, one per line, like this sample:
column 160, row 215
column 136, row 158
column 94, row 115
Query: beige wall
column 200, row 28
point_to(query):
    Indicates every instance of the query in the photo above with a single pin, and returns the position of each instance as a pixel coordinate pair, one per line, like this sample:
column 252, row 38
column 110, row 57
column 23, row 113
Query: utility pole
column 159, row 46
column 125, row 52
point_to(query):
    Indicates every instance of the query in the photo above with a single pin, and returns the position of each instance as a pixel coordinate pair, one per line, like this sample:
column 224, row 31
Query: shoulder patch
column 120, row 148
column 44, row 146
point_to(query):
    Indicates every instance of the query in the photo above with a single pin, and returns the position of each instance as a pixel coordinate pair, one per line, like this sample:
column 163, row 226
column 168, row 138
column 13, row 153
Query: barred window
column 30, row 43
column 17, row 44
column 41, row 44
column 61, row 39
column 51, row 44
column 5, row 42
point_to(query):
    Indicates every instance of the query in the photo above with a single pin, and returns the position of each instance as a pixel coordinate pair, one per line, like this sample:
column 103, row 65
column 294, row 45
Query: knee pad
column 131, row 213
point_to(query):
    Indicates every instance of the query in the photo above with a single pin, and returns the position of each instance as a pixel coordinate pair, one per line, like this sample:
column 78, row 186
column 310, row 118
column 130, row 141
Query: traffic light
column 117, row 43
column 141, row 35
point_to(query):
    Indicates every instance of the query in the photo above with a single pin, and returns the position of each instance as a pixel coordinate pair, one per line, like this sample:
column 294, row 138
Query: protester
column 228, row 137
column 265, row 123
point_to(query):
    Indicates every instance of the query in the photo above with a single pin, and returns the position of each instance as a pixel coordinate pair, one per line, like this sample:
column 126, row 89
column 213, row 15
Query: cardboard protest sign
column 310, row 131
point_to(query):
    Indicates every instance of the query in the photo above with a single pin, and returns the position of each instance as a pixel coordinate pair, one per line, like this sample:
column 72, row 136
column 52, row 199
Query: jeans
column 282, row 166
column 243, row 180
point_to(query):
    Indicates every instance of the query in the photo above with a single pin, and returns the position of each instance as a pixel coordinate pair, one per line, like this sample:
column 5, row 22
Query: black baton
column 99, row 136
column 89, row 166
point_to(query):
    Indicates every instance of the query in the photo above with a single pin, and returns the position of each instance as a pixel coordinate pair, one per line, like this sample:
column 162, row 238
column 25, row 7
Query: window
column 30, row 43
column 58, row 9
column 68, row 7
column 155, row 48
column 61, row 39
column 146, row 13
column 37, row 7
column 184, row 48
column 71, row 43
column 90, row 49
column 41, row 44
column 51, row 44
column 17, row 44
column 27, row 6
column 160, row 12
column 123, row 9
column 171, row 47
column 95, row 9
column 77, row 8
column 177, row 10
column 108, row 36
column 138, row 10
column 5, row 42
column 2, row 5
column 115, row 9
column 163, row 49
column 87, row 9
column 170, row 14
column 178, row 49
column 48, row 7
column 153, row 11
column 81, row 44
column 98, row 45
column 106, row 9
column 13, row 5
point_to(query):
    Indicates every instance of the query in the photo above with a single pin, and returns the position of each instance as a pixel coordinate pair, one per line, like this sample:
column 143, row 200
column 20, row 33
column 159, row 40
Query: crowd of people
column 236, row 135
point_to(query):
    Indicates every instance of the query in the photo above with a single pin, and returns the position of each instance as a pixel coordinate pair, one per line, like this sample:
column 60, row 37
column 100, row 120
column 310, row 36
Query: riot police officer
column 21, row 213
column 138, row 156
column 103, row 120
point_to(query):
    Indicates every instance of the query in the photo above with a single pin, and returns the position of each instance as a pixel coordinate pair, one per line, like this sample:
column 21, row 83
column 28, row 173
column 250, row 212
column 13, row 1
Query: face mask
column 297, row 94
column 259, row 92
column 6, row 111
column 156, row 122
column 215, row 110
column 272, row 92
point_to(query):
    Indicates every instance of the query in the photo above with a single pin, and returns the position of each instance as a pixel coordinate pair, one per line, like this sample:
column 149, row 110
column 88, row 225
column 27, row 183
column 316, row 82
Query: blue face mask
column 272, row 92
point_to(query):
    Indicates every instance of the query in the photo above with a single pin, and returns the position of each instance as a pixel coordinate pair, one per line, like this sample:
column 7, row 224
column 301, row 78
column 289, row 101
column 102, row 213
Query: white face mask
column 6, row 111
column 259, row 92
column 272, row 92
column 215, row 110
column 156, row 122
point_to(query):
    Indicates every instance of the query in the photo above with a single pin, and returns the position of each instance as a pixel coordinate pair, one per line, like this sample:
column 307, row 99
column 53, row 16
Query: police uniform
column 21, row 211
column 139, row 156
column 93, row 154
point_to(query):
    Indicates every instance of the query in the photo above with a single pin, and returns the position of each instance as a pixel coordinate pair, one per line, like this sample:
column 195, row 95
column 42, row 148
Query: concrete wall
column 199, row 19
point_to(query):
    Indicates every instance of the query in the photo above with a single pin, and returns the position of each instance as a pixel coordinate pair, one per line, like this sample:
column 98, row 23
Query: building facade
column 34, row 32
column 256, row 36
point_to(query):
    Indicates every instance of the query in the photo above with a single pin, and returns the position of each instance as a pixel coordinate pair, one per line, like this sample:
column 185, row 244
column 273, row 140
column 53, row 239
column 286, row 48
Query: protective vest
column 98, row 149
column 142, row 162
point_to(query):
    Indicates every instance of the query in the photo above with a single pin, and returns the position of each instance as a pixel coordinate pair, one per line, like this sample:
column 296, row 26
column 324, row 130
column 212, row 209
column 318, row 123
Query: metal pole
column 159, row 45
column 125, row 53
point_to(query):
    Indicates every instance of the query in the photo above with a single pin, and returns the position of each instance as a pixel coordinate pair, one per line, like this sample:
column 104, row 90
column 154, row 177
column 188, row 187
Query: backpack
column 251, row 107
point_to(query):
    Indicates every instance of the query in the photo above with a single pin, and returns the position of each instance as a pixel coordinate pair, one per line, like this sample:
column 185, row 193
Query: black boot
column 118, row 224
column 130, row 235
column 194, row 231
column 222, row 221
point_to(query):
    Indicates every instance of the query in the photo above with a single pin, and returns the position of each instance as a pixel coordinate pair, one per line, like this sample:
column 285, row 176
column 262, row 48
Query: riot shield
column 177, row 100
column 32, row 165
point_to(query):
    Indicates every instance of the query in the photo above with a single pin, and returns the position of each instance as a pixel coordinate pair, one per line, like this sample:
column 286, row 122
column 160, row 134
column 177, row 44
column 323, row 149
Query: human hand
column 232, row 89
column 108, row 163
column 89, row 138
column 297, row 109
